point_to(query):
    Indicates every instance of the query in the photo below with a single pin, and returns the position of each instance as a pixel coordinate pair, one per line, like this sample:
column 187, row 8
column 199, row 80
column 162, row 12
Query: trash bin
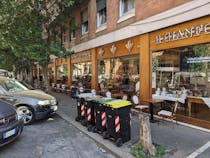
column 100, row 114
column 81, row 110
column 118, row 121
column 90, row 103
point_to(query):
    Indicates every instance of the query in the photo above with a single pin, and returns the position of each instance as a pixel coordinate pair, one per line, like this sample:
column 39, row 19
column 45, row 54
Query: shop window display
column 62, row 74
column 51, row 71
column 81, row 75
column 119, row 75
column 184, row 70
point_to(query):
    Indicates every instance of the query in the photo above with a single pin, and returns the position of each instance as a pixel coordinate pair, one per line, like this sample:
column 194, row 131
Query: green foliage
column 138, row 152
column 23, row 24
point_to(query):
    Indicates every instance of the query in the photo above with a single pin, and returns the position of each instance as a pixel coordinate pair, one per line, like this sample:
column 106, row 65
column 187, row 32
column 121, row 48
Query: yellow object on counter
column 118, row 103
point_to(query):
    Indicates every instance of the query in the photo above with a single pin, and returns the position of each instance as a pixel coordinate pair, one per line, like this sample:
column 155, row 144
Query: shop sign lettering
column 198, row 60
column 81, row 56
column 183, row 34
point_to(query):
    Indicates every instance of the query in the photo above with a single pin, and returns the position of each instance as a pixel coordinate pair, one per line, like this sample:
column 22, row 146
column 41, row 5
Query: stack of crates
column 118, row 121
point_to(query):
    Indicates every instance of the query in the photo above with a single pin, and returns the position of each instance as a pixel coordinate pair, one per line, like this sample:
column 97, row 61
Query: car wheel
column 26, row 113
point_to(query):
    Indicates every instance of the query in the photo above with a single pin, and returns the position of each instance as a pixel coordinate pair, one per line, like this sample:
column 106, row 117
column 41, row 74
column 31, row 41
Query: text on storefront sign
column 81, row 56
column 183, row 34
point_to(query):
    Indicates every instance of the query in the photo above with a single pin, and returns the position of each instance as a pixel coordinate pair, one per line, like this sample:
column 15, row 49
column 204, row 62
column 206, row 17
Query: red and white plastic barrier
column 95, row 114
column 82, row 110
column 117, row 124
column 103, row 119
column 89, row 114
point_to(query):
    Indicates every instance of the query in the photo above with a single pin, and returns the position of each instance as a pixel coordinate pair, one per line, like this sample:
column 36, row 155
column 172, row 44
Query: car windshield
column 13, row 86
column 26, row 85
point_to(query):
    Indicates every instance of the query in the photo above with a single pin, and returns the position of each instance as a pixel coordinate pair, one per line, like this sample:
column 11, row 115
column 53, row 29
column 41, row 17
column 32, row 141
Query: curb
column 106, row 144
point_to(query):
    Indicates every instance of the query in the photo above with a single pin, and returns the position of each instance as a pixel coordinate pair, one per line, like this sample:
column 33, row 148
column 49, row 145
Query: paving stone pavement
column 180, row 141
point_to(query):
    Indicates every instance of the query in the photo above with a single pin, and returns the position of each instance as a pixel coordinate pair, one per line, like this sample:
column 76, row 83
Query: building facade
column 149, row 47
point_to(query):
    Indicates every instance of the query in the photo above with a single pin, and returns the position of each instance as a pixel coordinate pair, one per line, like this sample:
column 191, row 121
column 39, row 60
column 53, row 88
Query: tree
column 28, row 30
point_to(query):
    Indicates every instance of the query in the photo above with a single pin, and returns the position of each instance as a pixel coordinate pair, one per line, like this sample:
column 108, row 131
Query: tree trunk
column 45, row 77
column 145, row 134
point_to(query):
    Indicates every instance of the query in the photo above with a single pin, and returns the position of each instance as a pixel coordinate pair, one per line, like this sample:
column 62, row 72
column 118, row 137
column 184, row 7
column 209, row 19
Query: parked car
column 4, row 73
column 11, row 125
column 34, row 104
column 26, row 85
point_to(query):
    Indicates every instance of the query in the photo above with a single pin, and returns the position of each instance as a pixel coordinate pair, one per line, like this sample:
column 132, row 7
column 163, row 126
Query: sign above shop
column 183, row 34
column 81, row 56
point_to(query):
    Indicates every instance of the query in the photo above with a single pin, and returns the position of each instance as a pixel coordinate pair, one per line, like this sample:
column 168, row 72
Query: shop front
column 51, row 72
column 81, row 70
column 118, row 68
column 180, row 68
column 61, row 71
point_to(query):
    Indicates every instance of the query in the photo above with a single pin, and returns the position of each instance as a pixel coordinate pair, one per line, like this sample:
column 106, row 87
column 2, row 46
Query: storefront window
column 51, row 71
column 182, row 70
column 119, row 75
column 62, row 74
column 81, row 72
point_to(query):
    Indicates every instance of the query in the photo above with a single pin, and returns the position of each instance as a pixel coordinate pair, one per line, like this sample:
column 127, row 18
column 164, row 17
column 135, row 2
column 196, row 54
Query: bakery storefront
column 180, row 68
column 118, row 68
column 51, row 72
column 81, row 69
column 61, row 71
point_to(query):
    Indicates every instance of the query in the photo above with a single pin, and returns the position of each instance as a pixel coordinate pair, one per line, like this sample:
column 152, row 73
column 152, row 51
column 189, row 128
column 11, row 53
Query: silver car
column 33, row 104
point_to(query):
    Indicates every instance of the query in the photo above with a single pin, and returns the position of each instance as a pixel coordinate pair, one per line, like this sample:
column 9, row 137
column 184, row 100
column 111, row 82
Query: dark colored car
column 33, row 105
column 11, row 125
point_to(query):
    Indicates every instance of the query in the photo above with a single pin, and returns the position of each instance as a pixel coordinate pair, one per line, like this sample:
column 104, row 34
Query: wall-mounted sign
column 81, row 56
column 183, row 34
column 198, row 60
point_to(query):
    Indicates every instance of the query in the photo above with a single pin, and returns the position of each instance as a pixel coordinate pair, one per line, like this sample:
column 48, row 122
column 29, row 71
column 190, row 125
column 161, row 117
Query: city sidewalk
column 180, row 141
